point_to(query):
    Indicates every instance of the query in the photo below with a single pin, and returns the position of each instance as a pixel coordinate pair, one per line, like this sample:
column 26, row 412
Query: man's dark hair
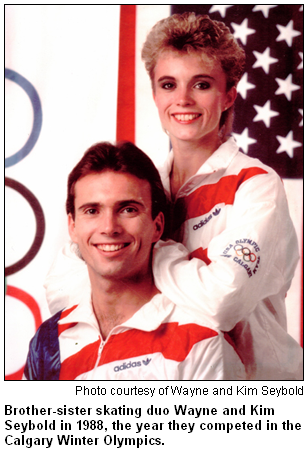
column 124, row 157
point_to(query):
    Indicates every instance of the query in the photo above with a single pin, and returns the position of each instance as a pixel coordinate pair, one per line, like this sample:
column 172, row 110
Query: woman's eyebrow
column 201, row 75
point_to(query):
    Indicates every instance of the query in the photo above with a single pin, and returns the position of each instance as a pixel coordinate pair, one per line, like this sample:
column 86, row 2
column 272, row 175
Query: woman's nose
column 184, row 97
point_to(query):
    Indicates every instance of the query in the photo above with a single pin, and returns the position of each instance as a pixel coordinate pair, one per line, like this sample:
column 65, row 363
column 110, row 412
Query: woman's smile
column 190, row 94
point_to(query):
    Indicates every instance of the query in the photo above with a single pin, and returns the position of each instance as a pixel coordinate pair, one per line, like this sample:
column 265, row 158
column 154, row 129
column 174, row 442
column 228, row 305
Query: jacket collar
column 148, row 318
column 219, row 160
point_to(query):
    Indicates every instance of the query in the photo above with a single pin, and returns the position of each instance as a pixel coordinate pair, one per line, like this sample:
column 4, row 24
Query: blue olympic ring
column 37, row 119
column 240, row 250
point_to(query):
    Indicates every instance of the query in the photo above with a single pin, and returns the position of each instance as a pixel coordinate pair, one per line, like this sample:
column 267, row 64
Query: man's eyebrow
column 120, row 203
column 88, row 204
column 124, row 203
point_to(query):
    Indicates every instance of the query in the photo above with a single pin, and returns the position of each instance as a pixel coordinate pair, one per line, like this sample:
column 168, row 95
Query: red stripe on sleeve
column 200, row 253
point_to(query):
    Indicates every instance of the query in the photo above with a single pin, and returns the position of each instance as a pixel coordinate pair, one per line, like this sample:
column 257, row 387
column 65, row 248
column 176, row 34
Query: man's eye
column 91, row 211
column 129, row 210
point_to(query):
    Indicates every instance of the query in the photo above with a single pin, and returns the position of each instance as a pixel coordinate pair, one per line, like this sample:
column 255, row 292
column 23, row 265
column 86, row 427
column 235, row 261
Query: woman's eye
column 167, row 86
column 202, row 85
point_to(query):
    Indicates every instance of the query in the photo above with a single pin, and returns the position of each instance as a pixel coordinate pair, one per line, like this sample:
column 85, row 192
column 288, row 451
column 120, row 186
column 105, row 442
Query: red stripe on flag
column 126, row 74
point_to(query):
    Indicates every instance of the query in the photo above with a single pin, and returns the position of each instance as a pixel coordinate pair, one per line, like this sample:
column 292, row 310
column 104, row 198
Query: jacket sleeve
column 43, row 360
column 253, row 257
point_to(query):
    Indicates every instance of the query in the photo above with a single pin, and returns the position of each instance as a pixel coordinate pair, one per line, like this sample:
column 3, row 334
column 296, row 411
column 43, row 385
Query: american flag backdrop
column 74, row 77
column 269, row 109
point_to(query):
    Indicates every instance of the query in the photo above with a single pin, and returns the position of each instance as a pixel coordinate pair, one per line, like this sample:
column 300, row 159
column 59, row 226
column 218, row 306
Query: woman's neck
column 188, row 158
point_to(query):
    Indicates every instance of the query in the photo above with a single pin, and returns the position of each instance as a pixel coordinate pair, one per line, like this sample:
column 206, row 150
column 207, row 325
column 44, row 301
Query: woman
column 229, row 210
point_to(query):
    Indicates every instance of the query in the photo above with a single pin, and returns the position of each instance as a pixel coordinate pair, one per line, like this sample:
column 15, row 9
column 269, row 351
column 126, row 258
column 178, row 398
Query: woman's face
column 190, row 94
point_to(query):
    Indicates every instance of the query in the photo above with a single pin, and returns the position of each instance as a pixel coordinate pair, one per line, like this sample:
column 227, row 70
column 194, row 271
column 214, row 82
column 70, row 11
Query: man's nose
column 109, row 223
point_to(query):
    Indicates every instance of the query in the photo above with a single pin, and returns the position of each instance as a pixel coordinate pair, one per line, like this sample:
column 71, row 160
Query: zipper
column 100, row 350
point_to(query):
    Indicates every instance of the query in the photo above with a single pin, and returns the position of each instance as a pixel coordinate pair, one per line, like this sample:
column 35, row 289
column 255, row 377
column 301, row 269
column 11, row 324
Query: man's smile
column 109, row 247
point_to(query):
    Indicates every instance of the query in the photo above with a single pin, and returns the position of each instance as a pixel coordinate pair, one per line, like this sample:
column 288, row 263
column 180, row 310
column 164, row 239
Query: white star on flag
column 265, row 113
column 287, row 33
column 301, row 113
column 242, row 30
column 243, row 140
column 286, row 87
column 300, row 66
column 220, row 8
column 244, row 86
column 287, row 144
column 264, row 8
column 264, row 60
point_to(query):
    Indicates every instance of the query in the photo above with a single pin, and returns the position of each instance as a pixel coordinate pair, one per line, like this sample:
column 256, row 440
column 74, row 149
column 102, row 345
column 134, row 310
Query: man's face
column 113, row 225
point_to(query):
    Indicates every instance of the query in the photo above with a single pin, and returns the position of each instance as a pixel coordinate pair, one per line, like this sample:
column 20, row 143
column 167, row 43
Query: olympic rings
column 240, row 250
column 35, row 310
column 37, row 118
column 40, row 226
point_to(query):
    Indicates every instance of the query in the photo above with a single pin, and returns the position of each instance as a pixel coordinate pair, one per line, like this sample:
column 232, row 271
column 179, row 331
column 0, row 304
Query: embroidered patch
column 243, row 252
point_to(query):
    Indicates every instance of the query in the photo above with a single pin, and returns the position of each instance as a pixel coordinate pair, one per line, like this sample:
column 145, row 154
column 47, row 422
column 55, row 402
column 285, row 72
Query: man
column 123, row 328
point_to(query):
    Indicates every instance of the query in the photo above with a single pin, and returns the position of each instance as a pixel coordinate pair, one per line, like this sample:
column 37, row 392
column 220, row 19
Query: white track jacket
column 159, row 342
column 237, row 260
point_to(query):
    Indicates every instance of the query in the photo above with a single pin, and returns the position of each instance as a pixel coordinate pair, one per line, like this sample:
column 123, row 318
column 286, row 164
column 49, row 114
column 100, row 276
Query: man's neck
column 114, row 302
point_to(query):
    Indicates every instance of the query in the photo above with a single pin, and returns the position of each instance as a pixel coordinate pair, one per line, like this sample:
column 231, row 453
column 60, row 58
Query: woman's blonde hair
column 189, row 32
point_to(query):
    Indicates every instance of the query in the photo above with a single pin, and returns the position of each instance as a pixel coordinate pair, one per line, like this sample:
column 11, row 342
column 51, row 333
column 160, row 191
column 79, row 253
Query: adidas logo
column 217, row 211
column 131, row 364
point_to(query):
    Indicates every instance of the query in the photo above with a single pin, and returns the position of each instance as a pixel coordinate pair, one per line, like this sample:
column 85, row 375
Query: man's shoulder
column 43, row 362
column 48, row 326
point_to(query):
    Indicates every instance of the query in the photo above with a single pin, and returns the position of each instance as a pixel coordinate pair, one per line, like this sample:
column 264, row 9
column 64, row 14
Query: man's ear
column 159, row 222
column 71, row 227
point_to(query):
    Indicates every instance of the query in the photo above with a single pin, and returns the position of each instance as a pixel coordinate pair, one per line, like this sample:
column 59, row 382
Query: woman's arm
column 252, row 258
